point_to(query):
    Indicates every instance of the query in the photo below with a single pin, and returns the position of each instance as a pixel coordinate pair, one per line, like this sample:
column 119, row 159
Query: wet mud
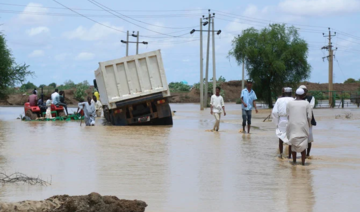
column 93, row 202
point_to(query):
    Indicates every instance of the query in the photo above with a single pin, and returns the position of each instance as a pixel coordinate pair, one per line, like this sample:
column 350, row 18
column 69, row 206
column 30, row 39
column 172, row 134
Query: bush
column 179, row 86
column 238, row 101
column 52, row 85
column 42, row 86
column 80, row 92
column 27, row 86
column 350, row 80
column 318, row 95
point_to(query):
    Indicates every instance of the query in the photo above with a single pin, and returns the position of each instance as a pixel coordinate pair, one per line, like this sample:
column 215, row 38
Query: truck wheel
column 31, row 115
column 163, row 121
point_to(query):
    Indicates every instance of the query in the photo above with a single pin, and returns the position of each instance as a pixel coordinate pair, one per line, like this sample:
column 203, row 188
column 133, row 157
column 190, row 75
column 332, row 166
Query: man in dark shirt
column 33, row 99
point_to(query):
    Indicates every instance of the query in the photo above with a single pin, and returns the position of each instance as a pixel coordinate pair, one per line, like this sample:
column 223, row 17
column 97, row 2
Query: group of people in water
column 293, row 117
column 90, row 109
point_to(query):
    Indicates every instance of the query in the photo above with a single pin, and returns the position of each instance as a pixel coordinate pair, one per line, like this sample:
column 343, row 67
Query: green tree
column 10, row 72
column 27, row 86
column 53, row 84
column 350, row 80
column 42, row 86
column 80, row 92
column 178, row 86
column 274, row 56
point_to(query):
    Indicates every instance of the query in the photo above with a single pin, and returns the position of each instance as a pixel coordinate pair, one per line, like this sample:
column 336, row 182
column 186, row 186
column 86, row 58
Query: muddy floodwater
column 184, row 167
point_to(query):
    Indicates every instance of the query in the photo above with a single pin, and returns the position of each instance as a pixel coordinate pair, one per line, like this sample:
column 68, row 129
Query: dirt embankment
column 20, row 99
column 233, row 90
column 232, row 93
column 93, row 202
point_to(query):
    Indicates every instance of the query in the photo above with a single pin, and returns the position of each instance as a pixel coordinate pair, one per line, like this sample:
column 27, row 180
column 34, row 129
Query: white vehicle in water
column 134, row 90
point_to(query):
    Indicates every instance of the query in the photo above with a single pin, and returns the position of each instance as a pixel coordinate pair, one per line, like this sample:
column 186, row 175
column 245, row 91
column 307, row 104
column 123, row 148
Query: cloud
column 253, row 11
column 85, row 56
column 36, row 53
column 61, row 57
column 96, row 32
column 37, row 30
column 30, row 14
column 319, row 7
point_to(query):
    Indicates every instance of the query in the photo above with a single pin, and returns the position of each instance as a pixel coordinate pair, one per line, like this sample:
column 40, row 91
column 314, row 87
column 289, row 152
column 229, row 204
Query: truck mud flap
column 163, row 110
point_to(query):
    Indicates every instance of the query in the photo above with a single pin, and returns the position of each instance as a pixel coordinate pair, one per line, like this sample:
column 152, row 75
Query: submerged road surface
column 184, row 167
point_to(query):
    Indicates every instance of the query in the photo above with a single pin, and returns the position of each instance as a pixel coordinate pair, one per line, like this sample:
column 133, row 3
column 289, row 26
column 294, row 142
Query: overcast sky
column 59, row 44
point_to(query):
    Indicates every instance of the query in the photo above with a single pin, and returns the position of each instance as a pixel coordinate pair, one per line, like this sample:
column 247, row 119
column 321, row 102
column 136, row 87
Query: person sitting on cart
column 42, row 104
column 33, row 99
column 62, row 101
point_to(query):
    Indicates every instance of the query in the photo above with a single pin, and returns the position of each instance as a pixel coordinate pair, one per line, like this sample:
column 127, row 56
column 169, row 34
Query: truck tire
column 31, row 115
column 164, row 121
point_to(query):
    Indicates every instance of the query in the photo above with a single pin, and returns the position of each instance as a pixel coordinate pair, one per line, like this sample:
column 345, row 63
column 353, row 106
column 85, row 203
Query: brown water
column 185, row 168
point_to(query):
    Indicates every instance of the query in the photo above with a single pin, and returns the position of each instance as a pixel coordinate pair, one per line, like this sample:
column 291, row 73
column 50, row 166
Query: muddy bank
column 93, row 202
column 232, row 93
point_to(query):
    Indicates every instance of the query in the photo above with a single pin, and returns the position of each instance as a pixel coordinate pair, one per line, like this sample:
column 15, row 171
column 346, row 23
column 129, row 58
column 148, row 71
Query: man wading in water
column 280, row 118
column 216, row 107
column 248, row 98
column 311, row 100
column 297, row 131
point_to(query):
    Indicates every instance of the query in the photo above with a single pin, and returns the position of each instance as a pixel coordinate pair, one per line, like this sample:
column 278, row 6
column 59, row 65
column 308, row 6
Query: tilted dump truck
column 134, row 90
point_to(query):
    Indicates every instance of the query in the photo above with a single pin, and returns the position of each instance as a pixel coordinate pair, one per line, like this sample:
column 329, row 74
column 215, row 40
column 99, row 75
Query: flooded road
column 183, row 167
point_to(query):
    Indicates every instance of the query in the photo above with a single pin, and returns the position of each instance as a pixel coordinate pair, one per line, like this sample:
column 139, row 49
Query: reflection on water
column 181, row 168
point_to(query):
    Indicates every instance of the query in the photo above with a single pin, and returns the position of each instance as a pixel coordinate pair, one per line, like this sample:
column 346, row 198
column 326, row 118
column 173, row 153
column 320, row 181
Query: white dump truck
column 134, row 90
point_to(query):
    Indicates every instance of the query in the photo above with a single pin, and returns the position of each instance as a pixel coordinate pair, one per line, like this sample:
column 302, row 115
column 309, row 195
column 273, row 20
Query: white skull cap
column 300, row 91
column 303, row 87
column 287, row 90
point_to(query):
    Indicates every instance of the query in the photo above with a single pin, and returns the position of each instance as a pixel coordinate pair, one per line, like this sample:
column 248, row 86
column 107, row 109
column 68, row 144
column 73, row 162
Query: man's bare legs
column 289, row 151
column 248, row 128
column 281, row 147
column 308, row 150
column 303, row 157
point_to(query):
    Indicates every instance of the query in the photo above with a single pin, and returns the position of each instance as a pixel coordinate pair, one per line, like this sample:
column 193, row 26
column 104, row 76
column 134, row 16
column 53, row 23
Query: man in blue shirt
column 248, row 98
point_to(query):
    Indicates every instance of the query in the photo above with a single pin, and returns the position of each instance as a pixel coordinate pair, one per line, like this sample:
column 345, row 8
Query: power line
column 340, row 68
column 109, row 11
column 96, row 15
column 22, row 5
column 263, row 20
column 90, row 18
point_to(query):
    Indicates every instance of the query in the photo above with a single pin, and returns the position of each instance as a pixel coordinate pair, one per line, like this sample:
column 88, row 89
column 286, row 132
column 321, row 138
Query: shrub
column 238, row 101
column 27, row 86
column 80, row 92
column 179, row 86
column 52, row 85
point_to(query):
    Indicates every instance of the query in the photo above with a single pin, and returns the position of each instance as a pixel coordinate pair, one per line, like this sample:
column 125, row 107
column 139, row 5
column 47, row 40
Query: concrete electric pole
column 207, row 61
column 330, row 58
column 137, row 42
column 201, row 69
column 213, row 54
column 203, row 95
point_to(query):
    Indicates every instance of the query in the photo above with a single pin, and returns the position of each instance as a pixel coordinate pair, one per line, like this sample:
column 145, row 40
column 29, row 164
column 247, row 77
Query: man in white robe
column 311, row 100
column 297, row 131
column 280, row 118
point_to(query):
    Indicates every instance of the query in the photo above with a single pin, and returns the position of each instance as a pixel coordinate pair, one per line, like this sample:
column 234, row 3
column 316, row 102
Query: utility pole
column 127, row 43
column 207, row 62
column 137, row 42
column 213, row 55
column 203, row 95
column 330, row 59
column 201, row 69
